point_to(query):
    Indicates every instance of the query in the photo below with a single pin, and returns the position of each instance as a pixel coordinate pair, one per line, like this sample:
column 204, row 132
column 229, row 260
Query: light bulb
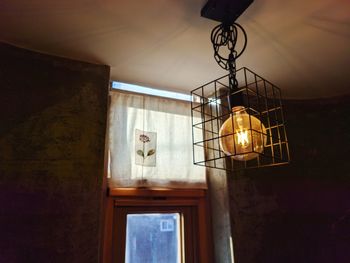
column 242, row 135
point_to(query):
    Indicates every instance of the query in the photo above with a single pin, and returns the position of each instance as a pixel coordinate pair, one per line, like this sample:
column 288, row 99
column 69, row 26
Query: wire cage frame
column 210, row 109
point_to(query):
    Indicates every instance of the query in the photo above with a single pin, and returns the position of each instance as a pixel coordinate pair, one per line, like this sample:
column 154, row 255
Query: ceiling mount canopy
column 225, row 11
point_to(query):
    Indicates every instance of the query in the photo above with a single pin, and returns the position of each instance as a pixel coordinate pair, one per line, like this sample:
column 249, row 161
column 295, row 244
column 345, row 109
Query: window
column 179, row 217
column 157, row 204
column 153, row 237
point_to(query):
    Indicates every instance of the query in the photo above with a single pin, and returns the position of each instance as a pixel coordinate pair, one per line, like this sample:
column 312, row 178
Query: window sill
column 156, row 192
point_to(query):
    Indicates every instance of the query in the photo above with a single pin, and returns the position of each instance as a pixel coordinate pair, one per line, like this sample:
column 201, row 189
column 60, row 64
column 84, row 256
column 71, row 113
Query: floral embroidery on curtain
column 145, row 148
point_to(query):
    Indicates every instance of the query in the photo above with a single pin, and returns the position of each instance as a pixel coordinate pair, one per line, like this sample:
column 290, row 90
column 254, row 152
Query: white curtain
column 150, row 143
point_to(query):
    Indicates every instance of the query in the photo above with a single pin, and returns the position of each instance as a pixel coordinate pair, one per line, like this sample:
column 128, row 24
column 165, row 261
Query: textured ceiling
column 301, row 46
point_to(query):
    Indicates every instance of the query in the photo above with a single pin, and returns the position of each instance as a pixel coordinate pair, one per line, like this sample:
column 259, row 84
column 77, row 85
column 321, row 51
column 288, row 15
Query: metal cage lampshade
column 239, row 128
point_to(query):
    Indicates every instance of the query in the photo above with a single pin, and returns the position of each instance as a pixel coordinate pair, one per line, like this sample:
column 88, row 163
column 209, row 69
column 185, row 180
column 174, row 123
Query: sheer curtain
column 150, row 141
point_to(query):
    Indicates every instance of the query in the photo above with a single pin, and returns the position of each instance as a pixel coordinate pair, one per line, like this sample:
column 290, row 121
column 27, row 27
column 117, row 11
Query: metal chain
column 225, row 35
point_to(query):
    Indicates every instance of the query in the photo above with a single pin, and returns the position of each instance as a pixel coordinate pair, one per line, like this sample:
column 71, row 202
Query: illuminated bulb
column 243, row 141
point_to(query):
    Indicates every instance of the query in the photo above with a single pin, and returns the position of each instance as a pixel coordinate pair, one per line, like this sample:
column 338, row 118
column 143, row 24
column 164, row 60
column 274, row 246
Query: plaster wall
column 52, row 135
column 299, row 212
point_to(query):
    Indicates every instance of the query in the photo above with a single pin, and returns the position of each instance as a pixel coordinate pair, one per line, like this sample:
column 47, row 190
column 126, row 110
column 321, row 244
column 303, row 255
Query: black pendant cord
column 225, row 35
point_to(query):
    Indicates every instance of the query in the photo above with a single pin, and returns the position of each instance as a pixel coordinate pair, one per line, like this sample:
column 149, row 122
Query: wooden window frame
column 193, row 203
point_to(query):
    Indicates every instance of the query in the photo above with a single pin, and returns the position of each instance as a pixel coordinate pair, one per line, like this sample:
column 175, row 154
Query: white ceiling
column 301, row 46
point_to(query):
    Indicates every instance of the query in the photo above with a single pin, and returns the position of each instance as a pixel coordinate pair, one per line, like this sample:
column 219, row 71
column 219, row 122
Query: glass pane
column 153, row 238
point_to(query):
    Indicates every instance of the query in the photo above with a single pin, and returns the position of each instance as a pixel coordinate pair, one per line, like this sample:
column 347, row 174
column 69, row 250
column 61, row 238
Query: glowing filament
column 242, row 138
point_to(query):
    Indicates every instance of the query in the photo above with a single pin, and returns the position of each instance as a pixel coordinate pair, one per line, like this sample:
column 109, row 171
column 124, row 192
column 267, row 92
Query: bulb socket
column 235, row 99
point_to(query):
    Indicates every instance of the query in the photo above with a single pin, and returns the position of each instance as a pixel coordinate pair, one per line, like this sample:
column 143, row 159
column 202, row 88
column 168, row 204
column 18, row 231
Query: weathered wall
column 220, row 215
column 300, row 212
column 52, row 133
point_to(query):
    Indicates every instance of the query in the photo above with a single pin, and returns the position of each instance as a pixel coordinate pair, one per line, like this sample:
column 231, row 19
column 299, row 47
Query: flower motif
column 145, row 148
column 144, row 138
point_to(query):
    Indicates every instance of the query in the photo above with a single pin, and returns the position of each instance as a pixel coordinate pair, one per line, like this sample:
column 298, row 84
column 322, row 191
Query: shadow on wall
column 299, row 212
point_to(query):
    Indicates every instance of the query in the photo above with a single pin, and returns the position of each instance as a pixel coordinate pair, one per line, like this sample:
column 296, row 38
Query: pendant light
column 241, row 117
